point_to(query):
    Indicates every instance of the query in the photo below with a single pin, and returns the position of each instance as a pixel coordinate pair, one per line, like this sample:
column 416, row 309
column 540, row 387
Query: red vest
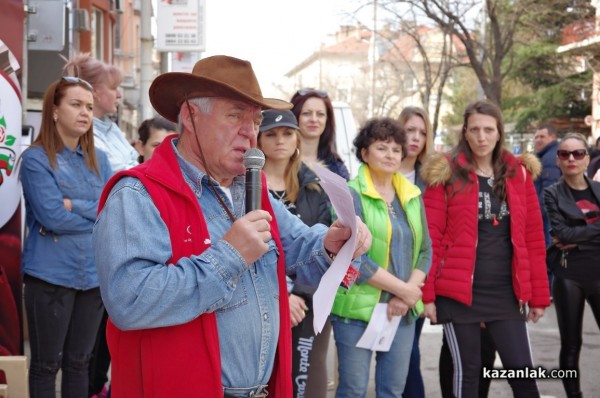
column 184, row 360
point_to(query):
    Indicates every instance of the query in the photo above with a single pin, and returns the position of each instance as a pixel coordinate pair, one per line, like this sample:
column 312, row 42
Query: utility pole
column 372, row 61
column 146, row 60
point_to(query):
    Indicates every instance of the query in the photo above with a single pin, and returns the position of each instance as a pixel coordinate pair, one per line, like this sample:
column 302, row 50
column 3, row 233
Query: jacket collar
column 550, row 147
column 163, row 167
column 405, row 190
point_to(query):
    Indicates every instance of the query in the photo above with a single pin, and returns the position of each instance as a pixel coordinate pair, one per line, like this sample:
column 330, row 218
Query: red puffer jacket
column 453, row 220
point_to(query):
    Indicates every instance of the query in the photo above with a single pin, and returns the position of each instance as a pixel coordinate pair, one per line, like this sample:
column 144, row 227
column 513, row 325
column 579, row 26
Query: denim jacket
column 141, row 292
column 58, row 246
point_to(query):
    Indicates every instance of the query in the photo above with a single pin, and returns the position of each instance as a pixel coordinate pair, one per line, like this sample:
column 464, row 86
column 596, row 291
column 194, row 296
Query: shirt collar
column 193, row 175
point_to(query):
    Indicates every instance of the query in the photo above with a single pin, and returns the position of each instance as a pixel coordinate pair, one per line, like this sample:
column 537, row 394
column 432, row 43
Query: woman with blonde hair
column 105, row 80
column 62, row 177
column 295, row 185
column 419, row 144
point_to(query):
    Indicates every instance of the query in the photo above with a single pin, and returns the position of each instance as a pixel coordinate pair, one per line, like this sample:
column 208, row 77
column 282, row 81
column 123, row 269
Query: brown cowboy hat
column 217, row 76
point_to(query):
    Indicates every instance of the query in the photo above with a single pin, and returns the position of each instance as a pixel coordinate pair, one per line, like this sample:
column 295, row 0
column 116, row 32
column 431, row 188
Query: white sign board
column 10, row 136
column 180, row 25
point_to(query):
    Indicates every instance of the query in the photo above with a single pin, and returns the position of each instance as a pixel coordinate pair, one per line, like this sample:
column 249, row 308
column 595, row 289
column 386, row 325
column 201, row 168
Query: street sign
column 180, row 25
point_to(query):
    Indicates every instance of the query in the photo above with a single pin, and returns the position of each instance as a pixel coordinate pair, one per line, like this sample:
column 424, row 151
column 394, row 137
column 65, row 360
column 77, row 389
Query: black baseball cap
column 274, row 118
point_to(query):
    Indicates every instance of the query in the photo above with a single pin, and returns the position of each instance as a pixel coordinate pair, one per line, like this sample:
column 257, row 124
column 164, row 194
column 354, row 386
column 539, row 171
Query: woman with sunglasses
column 105, row 80
column 573, row 207
column 62, row 177
column 314, row 112
column 297, row 187
column 488, row 263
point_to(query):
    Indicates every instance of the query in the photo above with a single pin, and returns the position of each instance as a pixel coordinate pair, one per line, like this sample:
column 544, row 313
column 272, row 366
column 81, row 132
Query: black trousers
column 512, row 343
column 100, row 362
column 63, row 323
column 446, row 368
column 309, row 358
column 569, row 300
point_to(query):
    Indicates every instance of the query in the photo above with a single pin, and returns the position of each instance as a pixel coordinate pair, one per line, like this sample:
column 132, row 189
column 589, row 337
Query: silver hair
column 203, row 103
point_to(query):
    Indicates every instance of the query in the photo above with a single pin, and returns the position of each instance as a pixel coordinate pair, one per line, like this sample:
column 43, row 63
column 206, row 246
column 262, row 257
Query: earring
column 55, row 119
column 297, row 153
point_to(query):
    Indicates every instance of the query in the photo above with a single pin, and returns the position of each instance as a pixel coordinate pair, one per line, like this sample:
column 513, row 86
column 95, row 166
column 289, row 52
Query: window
column 97, row 34
column 118, row 32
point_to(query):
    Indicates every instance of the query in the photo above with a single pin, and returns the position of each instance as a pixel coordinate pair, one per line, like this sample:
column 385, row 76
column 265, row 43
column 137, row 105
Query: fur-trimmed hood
column 437, row 169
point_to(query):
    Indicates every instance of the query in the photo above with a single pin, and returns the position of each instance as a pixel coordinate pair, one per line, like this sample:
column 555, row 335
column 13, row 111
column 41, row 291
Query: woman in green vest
column 391, row 273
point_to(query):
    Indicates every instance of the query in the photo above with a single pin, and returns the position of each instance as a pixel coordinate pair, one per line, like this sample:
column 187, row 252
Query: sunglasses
column 308, row 91
column 77, row 80
column 578, row 154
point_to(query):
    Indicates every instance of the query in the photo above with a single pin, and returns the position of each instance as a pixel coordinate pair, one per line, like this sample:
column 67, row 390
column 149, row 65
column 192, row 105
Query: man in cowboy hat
column 195, row 289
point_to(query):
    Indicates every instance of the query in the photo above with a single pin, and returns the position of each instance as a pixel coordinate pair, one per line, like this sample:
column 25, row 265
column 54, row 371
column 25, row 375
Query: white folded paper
column 380, row 331
column 339, row 195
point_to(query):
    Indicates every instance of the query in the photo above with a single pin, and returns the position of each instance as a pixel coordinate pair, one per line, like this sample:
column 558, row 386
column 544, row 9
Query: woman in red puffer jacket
column 488, row 264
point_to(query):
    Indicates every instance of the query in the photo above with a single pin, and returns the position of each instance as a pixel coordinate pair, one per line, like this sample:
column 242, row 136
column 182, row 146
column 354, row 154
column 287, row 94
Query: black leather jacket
column 566, row 219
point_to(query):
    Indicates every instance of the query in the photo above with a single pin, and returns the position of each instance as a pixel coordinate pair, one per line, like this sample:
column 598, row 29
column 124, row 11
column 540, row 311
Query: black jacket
column 566, row 219
column 312, row 205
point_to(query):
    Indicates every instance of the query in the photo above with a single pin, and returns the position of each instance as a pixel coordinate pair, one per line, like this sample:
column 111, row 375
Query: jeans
column 63, row 323
column 354, row 363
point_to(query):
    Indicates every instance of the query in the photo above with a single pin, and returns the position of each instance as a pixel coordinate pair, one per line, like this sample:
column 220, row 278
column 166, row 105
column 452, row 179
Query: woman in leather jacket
column 573, row 207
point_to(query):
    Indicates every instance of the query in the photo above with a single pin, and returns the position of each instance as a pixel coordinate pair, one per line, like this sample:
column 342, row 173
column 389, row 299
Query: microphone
column 254, row 160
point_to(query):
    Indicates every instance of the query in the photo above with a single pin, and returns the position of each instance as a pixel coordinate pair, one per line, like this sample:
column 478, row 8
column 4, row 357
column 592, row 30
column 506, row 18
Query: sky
column 274, row 35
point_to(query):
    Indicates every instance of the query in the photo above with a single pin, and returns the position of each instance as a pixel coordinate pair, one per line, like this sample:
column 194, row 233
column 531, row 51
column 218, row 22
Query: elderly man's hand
column 250, row 235
column 338, row 234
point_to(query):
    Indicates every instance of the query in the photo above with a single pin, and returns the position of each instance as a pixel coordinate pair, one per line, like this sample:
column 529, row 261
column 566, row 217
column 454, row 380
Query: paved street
column 546, row 345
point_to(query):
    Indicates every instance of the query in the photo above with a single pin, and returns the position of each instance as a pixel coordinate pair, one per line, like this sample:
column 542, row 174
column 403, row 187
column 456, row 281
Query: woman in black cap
column 294, row 184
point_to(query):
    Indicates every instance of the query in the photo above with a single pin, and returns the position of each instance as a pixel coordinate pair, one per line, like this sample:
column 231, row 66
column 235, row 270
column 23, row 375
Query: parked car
column 345, row 131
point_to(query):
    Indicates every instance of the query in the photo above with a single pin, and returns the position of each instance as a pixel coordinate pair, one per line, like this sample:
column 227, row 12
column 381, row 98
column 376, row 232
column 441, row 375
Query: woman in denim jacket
column 62, row 176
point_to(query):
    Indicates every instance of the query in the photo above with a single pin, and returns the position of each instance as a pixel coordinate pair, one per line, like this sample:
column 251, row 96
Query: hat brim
column 277, row 124
column 168, row 91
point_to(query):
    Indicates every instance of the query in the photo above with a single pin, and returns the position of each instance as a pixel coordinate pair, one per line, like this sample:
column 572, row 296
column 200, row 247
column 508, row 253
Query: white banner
column 10, row 136
column 180, row 25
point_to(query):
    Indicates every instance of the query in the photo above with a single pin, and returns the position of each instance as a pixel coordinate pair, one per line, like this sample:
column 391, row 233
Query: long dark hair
column 501, row 171
column 49, row 138
column 326, row 149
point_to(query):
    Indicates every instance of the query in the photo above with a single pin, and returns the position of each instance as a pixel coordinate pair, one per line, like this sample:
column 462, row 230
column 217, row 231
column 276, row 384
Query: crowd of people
column 142, row 257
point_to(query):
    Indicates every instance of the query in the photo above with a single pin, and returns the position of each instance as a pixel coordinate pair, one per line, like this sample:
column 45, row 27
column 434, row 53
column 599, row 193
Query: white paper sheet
column 339, row 194
column 380, row 331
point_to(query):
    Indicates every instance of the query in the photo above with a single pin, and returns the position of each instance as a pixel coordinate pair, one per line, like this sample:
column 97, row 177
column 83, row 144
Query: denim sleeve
column 305, row 257
column 89, row 208
column 140, row 289
column 45, row 198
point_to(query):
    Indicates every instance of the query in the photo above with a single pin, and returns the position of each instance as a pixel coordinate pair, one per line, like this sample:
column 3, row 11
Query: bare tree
column 436, row 60
column 487, row 46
